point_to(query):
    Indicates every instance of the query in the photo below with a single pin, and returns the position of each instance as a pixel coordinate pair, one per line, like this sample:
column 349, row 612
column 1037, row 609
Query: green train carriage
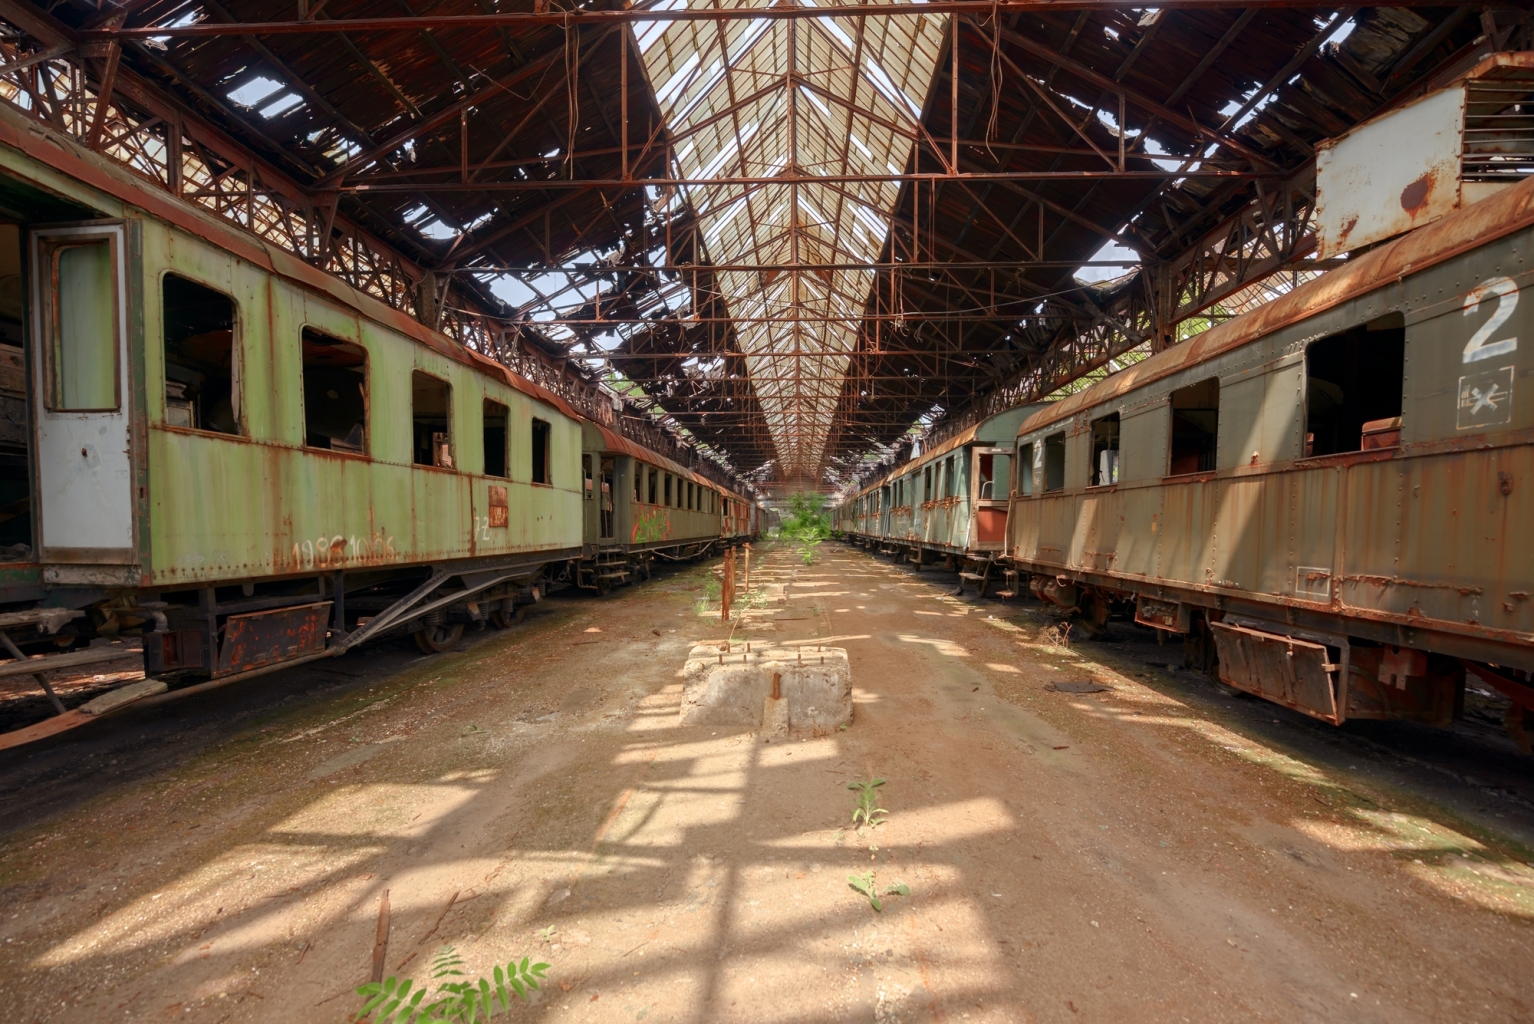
column 641, row 507
column 198, row 443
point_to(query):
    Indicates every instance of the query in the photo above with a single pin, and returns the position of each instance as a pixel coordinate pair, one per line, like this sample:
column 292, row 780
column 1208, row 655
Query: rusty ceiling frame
column 554, row 16
column 932, row 324
column 77, row 85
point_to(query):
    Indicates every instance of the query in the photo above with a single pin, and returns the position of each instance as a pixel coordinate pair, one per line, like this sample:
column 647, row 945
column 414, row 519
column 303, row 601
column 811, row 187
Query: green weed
column 865, row 885
column 867, row 812
column 392, row 1001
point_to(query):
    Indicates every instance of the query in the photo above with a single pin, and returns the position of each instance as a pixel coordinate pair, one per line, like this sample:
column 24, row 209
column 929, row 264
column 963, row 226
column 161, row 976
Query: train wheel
column 604, row 586
column 436, row 639
column 644, row 571
column 505, row 620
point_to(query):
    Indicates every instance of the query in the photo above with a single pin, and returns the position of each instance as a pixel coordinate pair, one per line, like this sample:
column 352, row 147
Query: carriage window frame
column 1356, row 341
column 49, row 251
column 1104, row 440
column 440, row 459
column 1054, row 461
column 304, row 334
column 1211, row 456
column 505, row 446
column 541, row 433
column 1025, row 478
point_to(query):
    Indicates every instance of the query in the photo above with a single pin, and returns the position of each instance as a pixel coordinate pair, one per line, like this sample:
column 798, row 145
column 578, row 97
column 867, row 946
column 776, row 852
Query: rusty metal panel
column 1240, row 431
column 266, row 638
column 1470, row 346
column 1311, row 498
column 1099, row 521
column 1295, row 673
column 990, row 526
column 1172, row 616
column 169, row 650
column 1140, row 535
column 1389, row 175
column 1452, row 546
column 1247, row 552
column 1143, row 437
column 1184, row 529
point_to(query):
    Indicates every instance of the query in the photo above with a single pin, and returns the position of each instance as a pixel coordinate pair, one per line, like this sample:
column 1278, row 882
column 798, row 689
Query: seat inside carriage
column 1025, row 500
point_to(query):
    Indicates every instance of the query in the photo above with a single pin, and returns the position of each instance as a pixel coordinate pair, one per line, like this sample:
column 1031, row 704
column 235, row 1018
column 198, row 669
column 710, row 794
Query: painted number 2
column 1480, row 346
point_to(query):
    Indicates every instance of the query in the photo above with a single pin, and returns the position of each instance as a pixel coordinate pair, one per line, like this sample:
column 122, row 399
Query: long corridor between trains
column 1083, row 830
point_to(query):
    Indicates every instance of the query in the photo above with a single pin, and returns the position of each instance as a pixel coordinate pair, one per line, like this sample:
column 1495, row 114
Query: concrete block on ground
column 734, row 687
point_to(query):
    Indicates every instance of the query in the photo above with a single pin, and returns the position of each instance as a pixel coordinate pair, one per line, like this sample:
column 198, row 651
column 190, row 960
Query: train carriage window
column 430, row 411
column 1025, row 469
column 1195, row 427
column 1054, row 462
column 494, row 430
column 543, row 466
column 638, row 482
column 654, row 484
column 335, row 393
column 950, row 484
column 668, row 491
column 1105, row 450
column 588, row 487
column 81, row 352
column 1353, row 384
column 926, row 484
column 202, row 371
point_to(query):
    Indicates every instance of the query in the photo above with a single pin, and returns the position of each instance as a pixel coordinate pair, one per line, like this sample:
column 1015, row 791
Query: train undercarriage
column 1325, row 664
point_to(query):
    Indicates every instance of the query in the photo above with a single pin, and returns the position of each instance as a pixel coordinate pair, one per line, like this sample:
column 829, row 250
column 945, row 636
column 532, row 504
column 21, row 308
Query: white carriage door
column 80, row 337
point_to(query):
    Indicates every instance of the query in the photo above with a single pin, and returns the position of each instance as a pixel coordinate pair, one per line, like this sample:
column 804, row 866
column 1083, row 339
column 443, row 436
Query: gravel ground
column 1151, row 851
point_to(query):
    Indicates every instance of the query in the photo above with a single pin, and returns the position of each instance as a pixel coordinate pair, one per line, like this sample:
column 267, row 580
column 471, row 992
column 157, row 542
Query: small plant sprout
column 392, row 1001
column 867, row 812
column 866, row 885
column 546, row 934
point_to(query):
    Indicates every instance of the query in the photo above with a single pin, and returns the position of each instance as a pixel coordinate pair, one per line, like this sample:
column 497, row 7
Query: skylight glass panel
column 851, row 79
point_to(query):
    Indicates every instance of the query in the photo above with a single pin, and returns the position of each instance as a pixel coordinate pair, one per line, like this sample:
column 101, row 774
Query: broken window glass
column 430, row 406
column 1105, row 450
column 1195, row 427
column 542, row 473
column 201, row 362
column 335, row 393
column 1353, row 384
column 495, row 438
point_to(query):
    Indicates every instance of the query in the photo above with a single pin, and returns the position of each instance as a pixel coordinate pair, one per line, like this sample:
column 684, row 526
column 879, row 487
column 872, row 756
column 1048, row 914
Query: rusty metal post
column 381, row 940
column 747, row 546
column 777, row 686
column 728, row 591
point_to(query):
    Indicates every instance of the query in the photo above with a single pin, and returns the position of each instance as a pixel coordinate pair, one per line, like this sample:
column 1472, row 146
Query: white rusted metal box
column 1424, row 160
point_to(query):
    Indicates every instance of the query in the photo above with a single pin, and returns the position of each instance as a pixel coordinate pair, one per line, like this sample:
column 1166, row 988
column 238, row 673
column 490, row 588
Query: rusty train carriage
column 641, row 506
column 949, row 503
column 1330, row 493
column 207, row 459
column 232, row 441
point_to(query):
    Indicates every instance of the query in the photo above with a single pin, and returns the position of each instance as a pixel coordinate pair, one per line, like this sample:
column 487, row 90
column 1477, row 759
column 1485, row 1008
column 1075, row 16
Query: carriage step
column 1004, row 594
column 970, row 576
column 613, row 575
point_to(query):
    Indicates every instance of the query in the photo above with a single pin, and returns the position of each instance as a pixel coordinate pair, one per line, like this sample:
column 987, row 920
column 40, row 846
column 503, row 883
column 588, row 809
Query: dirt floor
column 1154, row 851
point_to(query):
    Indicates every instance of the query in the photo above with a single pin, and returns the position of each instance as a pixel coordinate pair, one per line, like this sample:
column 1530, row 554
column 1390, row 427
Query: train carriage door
column 606, row 498
column 990, row 484
column 80, row 333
